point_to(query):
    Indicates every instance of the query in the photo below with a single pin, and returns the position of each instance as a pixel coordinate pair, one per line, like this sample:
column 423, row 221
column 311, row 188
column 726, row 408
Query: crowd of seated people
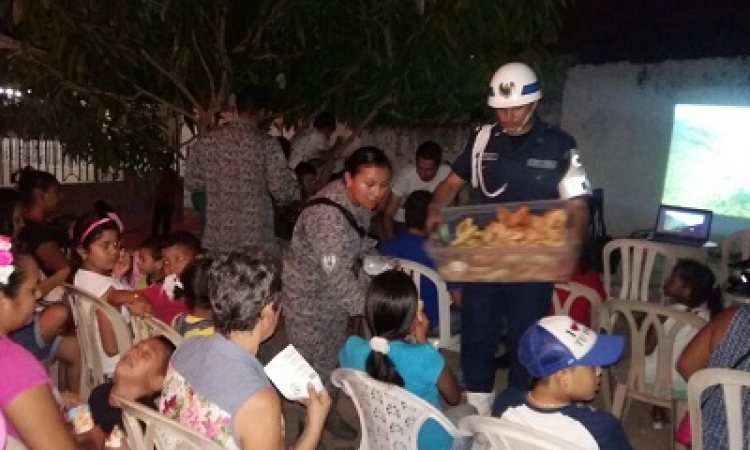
column 227, row 305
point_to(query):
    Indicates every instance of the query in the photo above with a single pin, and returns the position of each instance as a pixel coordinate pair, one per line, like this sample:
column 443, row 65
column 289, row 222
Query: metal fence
column 47, row 155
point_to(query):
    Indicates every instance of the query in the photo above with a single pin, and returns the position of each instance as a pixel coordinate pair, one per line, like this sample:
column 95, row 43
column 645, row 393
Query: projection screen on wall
column 709, row 160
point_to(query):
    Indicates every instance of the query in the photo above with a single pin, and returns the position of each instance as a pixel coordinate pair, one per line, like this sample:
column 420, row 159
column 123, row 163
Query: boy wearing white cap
column 565, row 359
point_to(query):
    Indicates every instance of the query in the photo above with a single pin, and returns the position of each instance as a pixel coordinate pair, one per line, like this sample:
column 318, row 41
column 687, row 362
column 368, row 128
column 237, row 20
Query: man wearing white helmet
column 518, row 159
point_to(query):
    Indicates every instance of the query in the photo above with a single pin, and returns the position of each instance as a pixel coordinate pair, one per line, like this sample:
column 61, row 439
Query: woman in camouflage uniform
column 323, row 282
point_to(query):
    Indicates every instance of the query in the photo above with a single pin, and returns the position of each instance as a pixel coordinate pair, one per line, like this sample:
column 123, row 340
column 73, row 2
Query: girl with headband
column 97, row 241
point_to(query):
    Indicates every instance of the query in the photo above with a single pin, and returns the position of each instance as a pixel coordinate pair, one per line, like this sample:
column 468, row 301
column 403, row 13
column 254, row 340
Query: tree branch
column 226, row 66
column 171, row 77
column 204, row 64
column 327, row 170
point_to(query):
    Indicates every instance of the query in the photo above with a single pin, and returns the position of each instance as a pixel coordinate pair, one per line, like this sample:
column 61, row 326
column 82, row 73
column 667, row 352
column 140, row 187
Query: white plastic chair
column 630, row 374
column 638, row 261
column 148, row 326
column 736, row 242
column 84, row 306
column 147, row 429
column 14, row 444
column 417, row 271
column 731, row 383
column 502, row 434
column 389, row 417
column 575, row 291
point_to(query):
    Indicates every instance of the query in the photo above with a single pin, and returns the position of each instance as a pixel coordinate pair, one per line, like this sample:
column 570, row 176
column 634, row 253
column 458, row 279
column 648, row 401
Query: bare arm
column 697, row 353
column 36, row 415
column 443, row 195
column 448, row 386
column 50, row 254
column 106, row 334
column 257, row 424
column 135, row 302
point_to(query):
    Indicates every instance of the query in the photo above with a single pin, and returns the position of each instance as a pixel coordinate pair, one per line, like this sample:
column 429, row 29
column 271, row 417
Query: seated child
column 147, row 263
column 393, row 311
column 97, row 240
column 198, row 320
column 409, row 244
column 565, row 359
column 587, row 275
column 690, row 287
column 177, row 251
column 138, row 376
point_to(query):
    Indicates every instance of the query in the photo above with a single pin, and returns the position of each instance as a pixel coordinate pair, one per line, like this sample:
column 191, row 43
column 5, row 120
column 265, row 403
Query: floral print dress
column 181, row 402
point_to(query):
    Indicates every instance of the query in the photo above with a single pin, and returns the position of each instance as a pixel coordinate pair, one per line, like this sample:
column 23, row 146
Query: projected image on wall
column 709, row 159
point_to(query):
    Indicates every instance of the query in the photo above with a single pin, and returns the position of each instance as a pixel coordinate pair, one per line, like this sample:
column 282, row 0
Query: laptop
column 681, row 225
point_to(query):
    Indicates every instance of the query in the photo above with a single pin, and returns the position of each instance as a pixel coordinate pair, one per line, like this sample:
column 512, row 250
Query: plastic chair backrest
column 418, row 271
column 736, row 241
column 150, row 430
column 148, row 326
column 389, row 416
column 575, row 291
column 502, row 434
column 84, row 306
column 639, row 259
column 731, row 382
column 639, row 317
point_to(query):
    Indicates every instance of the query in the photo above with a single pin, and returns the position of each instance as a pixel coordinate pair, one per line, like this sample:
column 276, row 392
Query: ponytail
column 379, row 366
column 390, row 308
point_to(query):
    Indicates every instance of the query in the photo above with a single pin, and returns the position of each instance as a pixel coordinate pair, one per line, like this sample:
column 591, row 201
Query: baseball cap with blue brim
column 557, row 342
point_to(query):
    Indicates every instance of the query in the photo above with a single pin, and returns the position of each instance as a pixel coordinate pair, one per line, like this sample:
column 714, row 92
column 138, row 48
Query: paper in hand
column 291, row 374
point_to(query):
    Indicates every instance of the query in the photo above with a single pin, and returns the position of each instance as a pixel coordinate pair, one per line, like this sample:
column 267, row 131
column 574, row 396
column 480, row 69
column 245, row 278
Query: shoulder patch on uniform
column 329, row 262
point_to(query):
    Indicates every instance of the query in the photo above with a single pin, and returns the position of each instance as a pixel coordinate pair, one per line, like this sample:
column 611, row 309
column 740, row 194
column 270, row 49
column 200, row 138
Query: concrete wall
column 132, row 199
column 621, row 115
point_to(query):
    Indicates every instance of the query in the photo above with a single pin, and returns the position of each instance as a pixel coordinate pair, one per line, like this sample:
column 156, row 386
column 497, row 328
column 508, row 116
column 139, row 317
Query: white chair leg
column 618, row 403
column 626, row 410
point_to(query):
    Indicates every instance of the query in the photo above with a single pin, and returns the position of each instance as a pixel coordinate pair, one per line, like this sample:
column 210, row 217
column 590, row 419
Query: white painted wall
column 621, row 115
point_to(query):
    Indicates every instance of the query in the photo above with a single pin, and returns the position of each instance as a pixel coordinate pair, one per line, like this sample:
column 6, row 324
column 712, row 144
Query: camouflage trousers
column 319, row 339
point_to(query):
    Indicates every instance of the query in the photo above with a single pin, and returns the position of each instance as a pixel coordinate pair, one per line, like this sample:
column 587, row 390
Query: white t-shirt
column 97, row 285
column 681, row 340
column 306, row 146
column 407, row 181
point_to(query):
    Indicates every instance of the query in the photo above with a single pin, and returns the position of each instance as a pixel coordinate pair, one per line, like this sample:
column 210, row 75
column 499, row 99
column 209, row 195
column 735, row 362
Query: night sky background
column 649, row 31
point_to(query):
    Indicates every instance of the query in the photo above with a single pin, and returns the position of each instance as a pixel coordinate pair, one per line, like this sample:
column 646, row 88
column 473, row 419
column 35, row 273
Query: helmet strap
column 526, row 119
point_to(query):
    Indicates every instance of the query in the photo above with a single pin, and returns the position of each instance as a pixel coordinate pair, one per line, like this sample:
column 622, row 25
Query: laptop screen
column 688, row 223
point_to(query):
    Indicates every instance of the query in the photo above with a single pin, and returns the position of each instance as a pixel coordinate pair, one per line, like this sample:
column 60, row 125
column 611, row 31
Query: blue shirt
column 419, row 366
column 410, row 246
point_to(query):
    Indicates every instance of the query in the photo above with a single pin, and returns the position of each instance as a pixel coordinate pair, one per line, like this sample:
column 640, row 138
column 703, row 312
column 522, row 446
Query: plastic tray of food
column 508, row 242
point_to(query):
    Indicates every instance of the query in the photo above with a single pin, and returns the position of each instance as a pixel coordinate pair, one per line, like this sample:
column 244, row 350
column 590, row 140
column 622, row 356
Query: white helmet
column 514, row 84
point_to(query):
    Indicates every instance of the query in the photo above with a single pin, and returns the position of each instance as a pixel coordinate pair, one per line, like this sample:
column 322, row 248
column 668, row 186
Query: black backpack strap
column 347, row 214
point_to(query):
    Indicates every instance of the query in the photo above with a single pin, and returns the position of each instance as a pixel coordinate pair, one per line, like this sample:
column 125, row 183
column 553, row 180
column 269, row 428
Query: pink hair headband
column 111, row 217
